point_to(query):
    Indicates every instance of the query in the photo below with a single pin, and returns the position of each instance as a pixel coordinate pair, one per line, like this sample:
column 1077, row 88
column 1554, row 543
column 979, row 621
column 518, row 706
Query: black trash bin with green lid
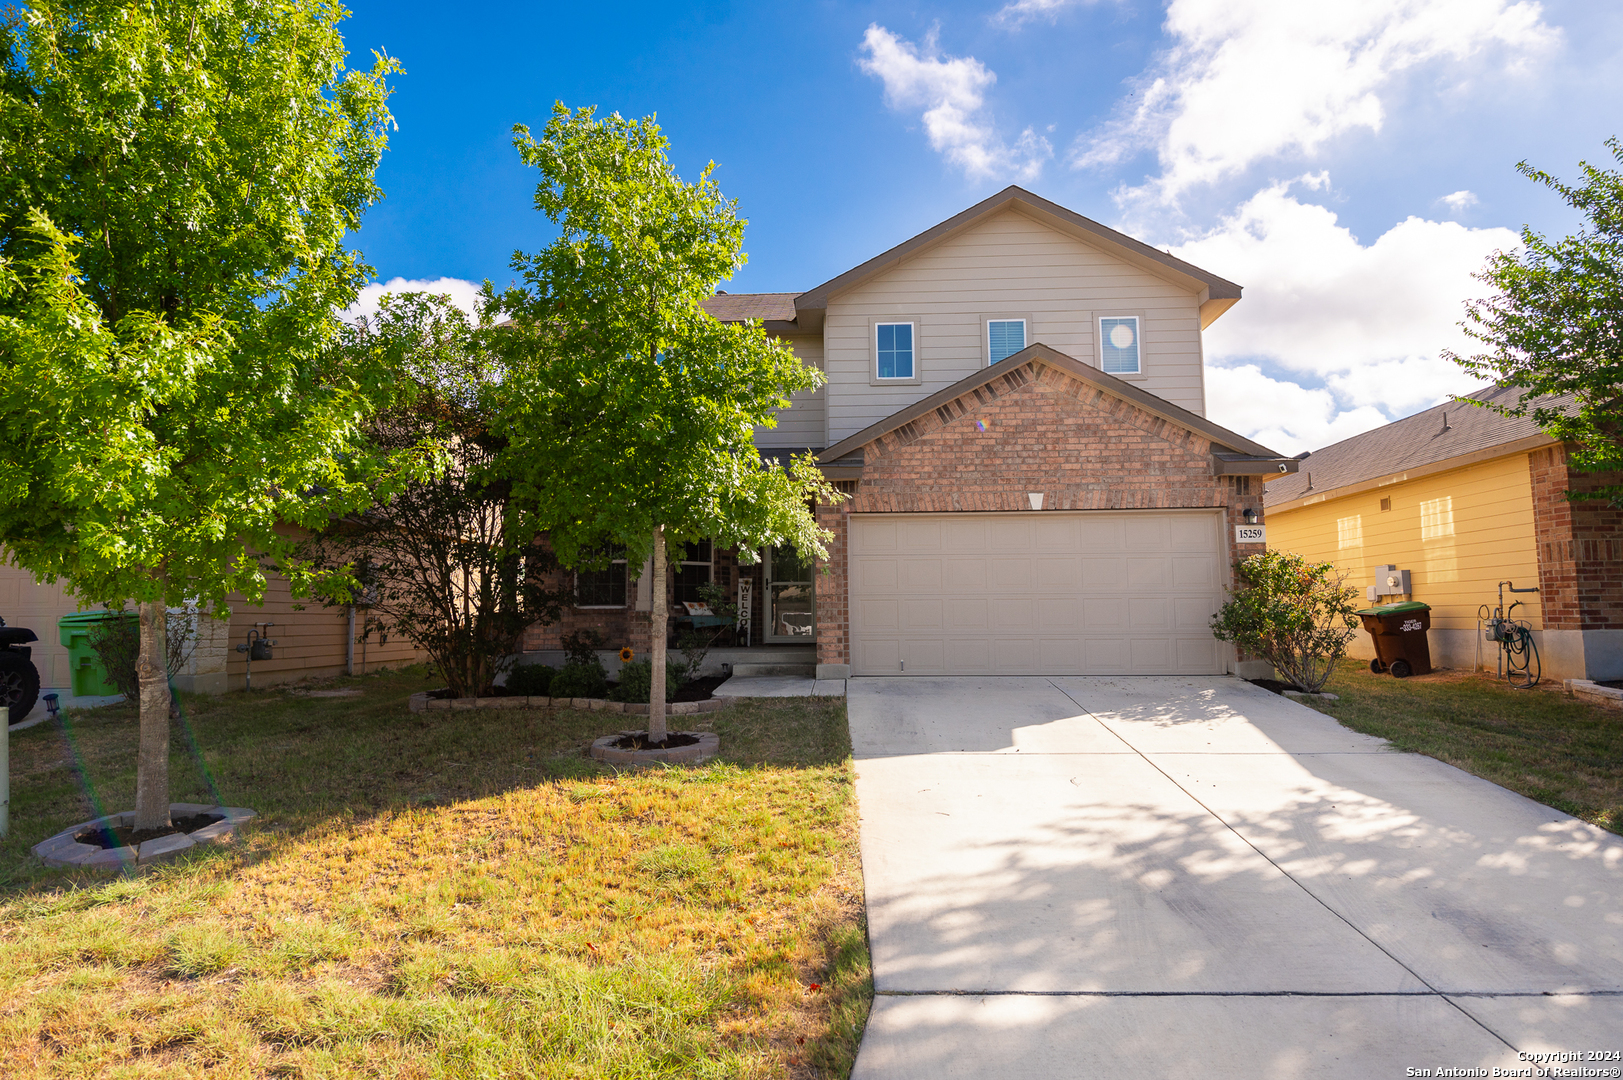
column 1399, row 632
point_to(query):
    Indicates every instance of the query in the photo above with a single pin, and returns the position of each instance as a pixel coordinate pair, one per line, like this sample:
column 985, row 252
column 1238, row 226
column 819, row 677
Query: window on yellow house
column 1436, row 518
column 1350, row 531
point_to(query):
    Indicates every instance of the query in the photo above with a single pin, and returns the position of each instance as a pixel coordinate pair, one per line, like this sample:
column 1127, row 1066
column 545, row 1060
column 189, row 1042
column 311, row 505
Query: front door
column 790, row 610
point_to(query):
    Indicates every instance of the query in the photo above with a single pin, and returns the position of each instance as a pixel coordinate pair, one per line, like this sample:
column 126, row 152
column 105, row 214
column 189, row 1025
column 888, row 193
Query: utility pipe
column 349, row 644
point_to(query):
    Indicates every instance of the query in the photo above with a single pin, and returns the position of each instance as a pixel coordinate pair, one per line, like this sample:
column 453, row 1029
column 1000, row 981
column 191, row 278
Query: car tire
column 19, row 685
column 1401, row 669
column 1376, row 666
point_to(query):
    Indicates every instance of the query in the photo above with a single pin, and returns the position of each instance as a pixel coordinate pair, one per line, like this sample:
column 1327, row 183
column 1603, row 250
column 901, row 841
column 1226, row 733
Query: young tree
column 1555, row 324
column 178, row 178
column 630, row 410
column 435, row 557
column 1298, row 616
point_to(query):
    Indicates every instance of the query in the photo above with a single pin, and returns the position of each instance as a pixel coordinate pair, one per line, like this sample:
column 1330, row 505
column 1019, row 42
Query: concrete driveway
column 1179, row 877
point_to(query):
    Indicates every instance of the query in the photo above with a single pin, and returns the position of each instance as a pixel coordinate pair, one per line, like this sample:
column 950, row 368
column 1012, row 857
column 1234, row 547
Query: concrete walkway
column 1169, row 877
column 779, row 686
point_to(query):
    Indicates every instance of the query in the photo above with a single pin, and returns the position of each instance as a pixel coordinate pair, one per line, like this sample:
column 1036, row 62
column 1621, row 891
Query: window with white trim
column 1119, row 352
column 893, row 351
column 605, row 587
column 693, row 570
column 1004, row 338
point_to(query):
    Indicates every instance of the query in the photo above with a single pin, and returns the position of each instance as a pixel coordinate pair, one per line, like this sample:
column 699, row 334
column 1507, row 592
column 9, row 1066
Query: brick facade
column 833, row 585
column 1580, row 546
column 628, row 626
column 1034, row 429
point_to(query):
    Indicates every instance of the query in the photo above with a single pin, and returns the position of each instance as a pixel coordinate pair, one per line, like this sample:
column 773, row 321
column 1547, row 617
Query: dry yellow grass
column 455, row 896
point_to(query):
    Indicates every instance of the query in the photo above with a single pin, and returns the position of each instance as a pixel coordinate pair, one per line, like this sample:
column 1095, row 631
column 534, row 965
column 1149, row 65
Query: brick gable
column 1082, row 447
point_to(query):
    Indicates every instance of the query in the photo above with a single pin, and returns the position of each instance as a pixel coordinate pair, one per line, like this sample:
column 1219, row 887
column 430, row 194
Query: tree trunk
column 658, row 617
column 152, row 762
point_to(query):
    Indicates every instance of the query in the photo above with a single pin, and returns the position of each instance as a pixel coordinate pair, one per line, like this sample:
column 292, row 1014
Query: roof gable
column 1041, row 354
column 1216, row 294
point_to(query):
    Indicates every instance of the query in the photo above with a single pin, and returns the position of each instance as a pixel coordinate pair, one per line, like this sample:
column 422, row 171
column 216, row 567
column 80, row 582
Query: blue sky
column 1351, row 168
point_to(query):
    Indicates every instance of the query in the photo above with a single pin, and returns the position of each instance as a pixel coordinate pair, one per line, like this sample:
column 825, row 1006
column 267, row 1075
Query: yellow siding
column 1459, row 534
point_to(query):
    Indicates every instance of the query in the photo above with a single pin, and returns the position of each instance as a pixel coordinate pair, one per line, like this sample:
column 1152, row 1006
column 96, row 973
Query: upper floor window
column 1119, row 345
column 1004, row 338
column 893, row 350
column 605, row 587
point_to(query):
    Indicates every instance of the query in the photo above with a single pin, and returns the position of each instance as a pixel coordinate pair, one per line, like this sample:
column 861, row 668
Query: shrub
column 575, row 679
column 637, row 676
column 581, row 648
column 534, row 680
column 1298, row 617
column 117, row 644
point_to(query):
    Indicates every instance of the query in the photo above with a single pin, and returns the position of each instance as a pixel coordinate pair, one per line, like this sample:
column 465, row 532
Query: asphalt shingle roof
column 1414, row 441
column 736, row 307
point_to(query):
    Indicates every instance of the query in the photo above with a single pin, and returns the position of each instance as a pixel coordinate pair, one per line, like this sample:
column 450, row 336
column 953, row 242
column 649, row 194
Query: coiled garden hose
column 1522, row 666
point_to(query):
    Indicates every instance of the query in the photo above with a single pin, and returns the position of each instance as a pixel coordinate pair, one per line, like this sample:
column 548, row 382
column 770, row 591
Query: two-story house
column 1015, row 406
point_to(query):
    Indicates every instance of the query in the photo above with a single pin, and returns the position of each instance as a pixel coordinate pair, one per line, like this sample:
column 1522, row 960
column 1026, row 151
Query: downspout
column 349, row 644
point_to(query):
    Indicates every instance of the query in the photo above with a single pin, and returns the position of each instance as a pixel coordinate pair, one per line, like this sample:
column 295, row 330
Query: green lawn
column 1540, row 742
column 442, row 895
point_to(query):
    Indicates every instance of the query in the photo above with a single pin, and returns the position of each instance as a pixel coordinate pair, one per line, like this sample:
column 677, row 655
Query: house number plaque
column 1250, row 534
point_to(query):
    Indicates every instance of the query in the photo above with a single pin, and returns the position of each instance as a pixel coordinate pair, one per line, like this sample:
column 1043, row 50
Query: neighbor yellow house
column 1462, row 499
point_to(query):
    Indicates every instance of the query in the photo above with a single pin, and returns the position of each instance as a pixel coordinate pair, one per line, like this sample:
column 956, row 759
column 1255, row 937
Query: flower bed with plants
column 583, row 683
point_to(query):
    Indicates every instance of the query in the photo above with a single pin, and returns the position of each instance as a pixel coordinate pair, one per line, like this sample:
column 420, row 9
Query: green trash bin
column 86, row 675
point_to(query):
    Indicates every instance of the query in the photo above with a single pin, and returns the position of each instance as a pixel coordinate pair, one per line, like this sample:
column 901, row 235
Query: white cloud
column 1282, row 416
column 1249, row 80
column 1459, row 201
column 1367, row 323
column 1021, row 12
column 464, row 294
column 951, row 91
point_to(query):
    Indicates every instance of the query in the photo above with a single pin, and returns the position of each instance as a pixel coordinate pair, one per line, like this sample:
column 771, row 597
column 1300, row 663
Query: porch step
column 808, row 671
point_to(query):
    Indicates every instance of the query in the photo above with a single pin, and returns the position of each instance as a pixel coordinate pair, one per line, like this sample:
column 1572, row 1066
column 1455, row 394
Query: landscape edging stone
column 421, row 702
column 64, row 850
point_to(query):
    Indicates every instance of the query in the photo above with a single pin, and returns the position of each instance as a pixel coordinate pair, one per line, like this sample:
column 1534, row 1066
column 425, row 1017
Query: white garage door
column 1039, row 593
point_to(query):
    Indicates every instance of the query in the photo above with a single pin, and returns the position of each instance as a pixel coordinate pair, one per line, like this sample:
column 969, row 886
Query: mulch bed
column 1273, row 686
column 641, row 741
column 124, row 836
column 699, row 689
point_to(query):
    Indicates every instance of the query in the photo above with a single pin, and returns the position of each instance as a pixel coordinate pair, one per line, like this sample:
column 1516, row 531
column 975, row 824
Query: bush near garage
column 1298, row 616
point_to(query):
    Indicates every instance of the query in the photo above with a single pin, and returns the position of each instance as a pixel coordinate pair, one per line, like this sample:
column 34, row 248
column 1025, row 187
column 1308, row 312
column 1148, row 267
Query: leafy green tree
column 631, row 411
column 176, row 181
column 1555, row 324
column 435, row 557
column 1298, row 616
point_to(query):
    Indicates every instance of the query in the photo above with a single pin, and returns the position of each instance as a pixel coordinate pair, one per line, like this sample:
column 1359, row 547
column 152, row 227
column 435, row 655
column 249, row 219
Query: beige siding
column 38, row 607
column 803, row 423
column 1006, row 266
column 1459, row 534
column 310, row 638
